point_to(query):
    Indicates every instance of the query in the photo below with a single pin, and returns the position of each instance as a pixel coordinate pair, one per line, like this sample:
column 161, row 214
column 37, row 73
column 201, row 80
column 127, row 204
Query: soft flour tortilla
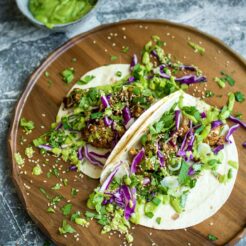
column 103, row 76
column 205, row 199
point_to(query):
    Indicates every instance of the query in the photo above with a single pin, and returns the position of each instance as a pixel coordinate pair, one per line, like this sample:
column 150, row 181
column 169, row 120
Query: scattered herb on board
column 44, row 192
column 114, row 58
column 125, row 49
column 19, row 160
column 37, row 170
column 57, row 186
column 211, row 237
column 75, row 215
column 27, row 125
column 197, row 48
column 66, row 228
column 85, row 80
column 158, row 220
column 220, row 82
column 238, row 115
column 66, row 209
column 29, row 152
column 239, row 96
column 227, row 78
column 68, row 75
column 209, row 93
column 74, row 192
column 46, row 74
column 50, row 82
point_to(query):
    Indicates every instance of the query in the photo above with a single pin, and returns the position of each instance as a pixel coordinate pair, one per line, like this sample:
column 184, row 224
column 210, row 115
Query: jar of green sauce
column 53, row 12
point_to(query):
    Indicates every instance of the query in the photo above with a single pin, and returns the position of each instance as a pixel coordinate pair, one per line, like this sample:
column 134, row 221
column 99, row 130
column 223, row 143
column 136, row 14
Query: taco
column 177, row 170
column 106, row 102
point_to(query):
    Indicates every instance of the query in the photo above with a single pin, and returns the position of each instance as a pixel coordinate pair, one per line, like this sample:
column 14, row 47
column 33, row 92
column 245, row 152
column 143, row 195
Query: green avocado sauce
column 53, row 12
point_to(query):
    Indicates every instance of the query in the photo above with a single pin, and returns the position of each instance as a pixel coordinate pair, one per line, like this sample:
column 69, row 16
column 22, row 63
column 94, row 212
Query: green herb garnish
column 212, row 237
column 209, row 93
column 74, row 192
column 239, row 96
column 125, row 49
column 114, row 58
column 197, row 48
column 68, row 75
column 227, row 78
column 85, row 80
column 27, row 125
column 19, row 160
column 66, row 228
column 57, row 186
column 66, row 209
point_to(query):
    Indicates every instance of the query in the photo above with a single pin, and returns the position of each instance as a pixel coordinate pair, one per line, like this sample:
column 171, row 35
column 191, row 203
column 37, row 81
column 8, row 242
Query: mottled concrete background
column 23, row 47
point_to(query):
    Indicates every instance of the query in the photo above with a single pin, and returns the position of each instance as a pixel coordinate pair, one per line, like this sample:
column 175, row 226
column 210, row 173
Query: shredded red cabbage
column 134, row 61
column 177, row 119
column 45, row 147
column 107, row 121
column 73, row 168
column 91, row 159
column 161, row 158
column 191, row 79
column 230, row 132
column 203, row 115
column 80, row 155
column 131, row 79
column 236, row 120
column 105, row 101
column 191, row 171
column 59, row 126
column 109, row 179
column 105, row 156
column 136, row 160
column 217, row 149
column 244, row 144
column 216, row 123
column 187, row 67
column 126, row 115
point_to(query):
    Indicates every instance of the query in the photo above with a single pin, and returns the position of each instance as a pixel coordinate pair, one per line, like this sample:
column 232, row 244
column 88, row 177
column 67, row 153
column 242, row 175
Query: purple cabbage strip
column 177, row 119
column 105, row 156
column 73, row 168
column 126, row 115
column 80, row 155
column 136, row 160
column 59, row 125
column 217, row 149
column 134, row 61
column 191, row 171
column 236, row 120
column 203, row 115
column 131, row 79
column 244, row 144
column 45, row 147
column 181, row 151
column 153, row 52
column 107, row 121
column 216, row 123
column 105, row 101
column 190, row 79
column 161, row 158
column 230, row 132
column 109, row 179
column 187, row 67
column 91, row 159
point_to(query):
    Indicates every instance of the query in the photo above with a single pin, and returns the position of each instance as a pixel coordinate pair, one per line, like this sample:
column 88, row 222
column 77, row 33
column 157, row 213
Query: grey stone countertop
column 23, row 47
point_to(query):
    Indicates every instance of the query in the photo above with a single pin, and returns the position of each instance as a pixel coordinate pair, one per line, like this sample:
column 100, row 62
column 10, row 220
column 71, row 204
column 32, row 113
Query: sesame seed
column 188, row 38
column 113, row 44
column 189, row 244
column 45, row 181
column 173, row 37
column 27, row 194
column 43, row 115
column 94, row 41
column 111, row 34
column 116, row 34
column 109, row 37
column 42, row 127
column 200, row 42
column 150, row 233
column 146, row 27
column 124, row 37
column 140, row 26
column 211, row 223
column 106, row 50
column 123, row 28
column 168, row 34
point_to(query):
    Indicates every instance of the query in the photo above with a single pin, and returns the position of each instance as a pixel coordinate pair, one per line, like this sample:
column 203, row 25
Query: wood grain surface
column 40, row 102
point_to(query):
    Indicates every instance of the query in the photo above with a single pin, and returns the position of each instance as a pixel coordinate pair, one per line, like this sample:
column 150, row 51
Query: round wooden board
column 93, row 49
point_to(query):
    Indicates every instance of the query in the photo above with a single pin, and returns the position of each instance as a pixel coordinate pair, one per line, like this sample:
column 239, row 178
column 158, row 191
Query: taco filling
column 172, row 168
column 98, row 116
